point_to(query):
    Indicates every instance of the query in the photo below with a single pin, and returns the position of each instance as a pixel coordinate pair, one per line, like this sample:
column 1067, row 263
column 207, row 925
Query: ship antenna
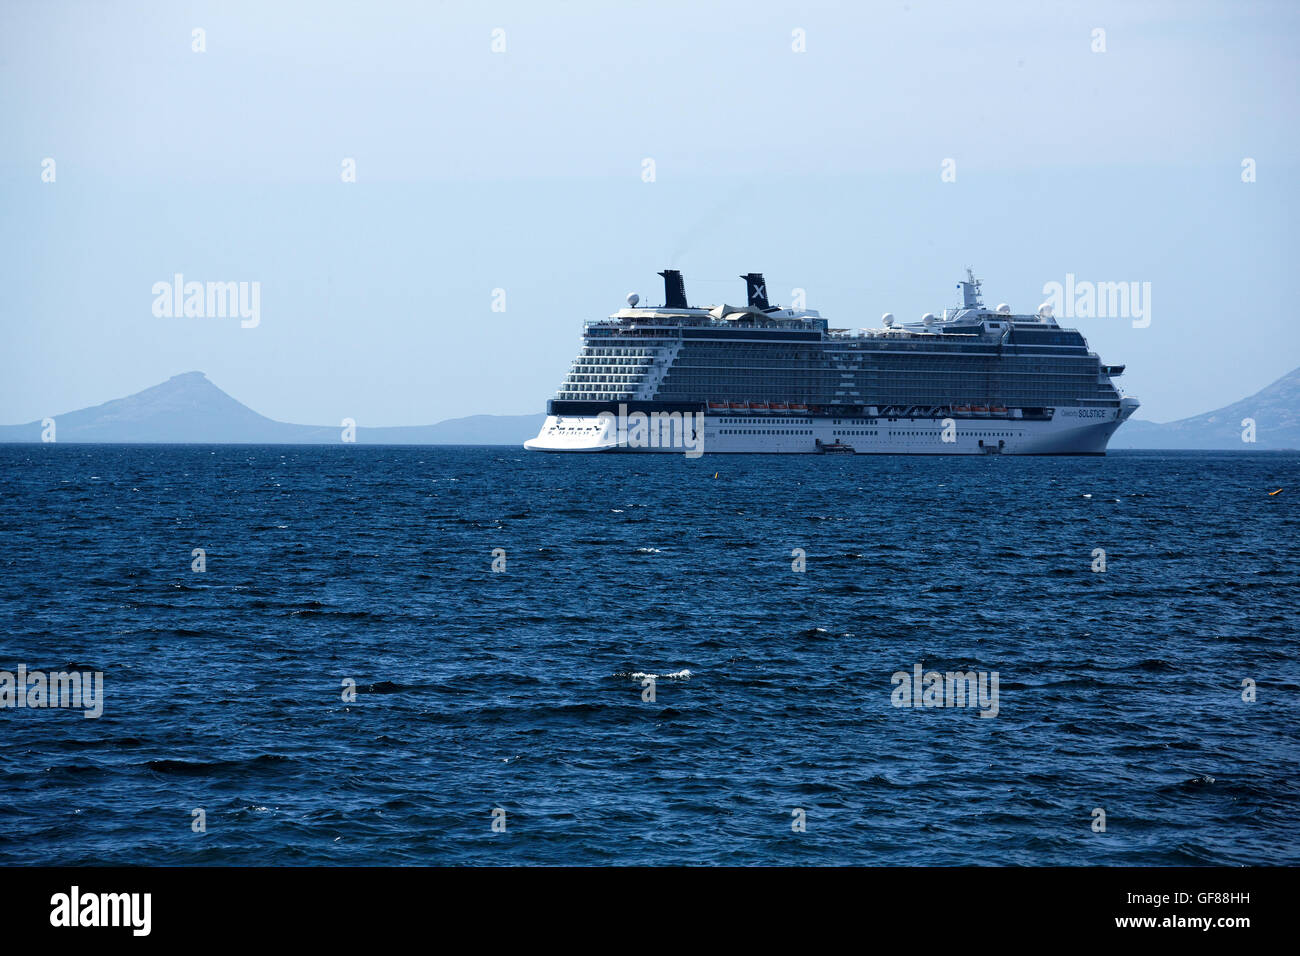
column 970, row 291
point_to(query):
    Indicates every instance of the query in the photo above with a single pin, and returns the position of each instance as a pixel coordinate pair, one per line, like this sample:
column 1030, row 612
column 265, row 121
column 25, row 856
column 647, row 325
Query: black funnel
column 674, row 290
column 757, row 290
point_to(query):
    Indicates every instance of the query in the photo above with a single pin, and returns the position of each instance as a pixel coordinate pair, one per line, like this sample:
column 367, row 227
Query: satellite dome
column 888, row 319
column 633, row 299
column 1045, row 310
column 1004, row 309
column 928, row 318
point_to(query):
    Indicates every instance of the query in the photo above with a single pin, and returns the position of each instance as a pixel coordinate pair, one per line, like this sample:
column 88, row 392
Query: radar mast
column 970, row 291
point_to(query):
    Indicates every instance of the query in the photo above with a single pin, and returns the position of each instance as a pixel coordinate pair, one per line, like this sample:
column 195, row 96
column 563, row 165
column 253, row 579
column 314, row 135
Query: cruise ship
column 761, row 379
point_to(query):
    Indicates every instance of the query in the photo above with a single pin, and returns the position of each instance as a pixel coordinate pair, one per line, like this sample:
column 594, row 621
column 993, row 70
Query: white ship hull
column 1070, row 431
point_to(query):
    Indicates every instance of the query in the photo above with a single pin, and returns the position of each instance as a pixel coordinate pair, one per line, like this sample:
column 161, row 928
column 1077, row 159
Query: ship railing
column 795, row 324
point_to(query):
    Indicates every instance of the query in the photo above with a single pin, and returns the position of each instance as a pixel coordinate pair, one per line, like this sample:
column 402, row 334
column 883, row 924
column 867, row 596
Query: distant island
column 1274, row 410
column 189, row 409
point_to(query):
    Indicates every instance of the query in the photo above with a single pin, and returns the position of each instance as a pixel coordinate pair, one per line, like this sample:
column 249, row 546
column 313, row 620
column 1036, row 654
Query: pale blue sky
column 522, row 170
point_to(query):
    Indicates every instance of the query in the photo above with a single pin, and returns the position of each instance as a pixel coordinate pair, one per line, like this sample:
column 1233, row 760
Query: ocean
column 677, row 661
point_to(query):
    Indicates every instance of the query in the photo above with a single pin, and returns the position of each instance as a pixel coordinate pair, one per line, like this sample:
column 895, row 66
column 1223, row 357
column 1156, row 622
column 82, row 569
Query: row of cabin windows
column 932, row 432
column 765, row 431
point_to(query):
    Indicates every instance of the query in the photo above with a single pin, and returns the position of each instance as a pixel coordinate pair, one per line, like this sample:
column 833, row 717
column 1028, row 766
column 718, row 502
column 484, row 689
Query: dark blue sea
column 521, row 691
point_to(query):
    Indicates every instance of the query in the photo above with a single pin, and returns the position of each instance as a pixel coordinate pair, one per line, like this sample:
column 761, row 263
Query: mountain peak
column 189, row 409
column 1273, row 413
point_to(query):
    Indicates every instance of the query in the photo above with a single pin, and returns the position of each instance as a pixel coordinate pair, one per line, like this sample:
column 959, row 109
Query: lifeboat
column 980, row 409
column 961, row 409
column 779, row 406
column 718, row 406
column 998, row 409
column 739, row 407
column 758, row 406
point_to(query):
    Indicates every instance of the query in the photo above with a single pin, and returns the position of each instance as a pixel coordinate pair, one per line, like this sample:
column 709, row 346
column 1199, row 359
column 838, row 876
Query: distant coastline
column 190, row 409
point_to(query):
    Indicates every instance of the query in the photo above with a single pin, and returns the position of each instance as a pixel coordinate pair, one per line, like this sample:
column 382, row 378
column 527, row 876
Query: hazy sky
column 522, row 170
